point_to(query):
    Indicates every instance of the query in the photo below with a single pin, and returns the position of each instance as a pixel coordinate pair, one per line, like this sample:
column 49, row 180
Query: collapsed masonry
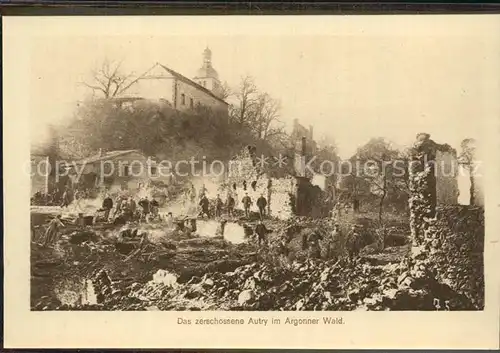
column 447, row 241
column 246, row 176
column 287, row 196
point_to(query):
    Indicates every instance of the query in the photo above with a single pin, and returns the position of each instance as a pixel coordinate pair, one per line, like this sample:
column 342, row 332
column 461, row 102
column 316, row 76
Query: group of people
column 354, row 241
column 218, row 206
column 229, row 205
column 311, row 241
column 127, row 209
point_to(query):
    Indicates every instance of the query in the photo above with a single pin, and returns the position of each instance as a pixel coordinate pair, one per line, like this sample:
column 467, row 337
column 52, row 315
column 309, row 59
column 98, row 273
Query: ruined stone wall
column 459, row 260
column 447, row 241
column 244, row 167
column 446, row 178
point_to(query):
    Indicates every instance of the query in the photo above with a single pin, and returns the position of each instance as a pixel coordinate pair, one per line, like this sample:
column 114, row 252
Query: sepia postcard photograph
column 211, row 176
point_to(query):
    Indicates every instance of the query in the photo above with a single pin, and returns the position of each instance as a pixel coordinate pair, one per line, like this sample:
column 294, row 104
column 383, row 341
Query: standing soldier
column 77, row 197
column 230, row 205
column 221, row 228
column 154, row 208
column 192, row 222
column 261, row 232
column 218, row 206
column 191, row 194
column 65, row 198
column 354, row 243
column 261, row 204
column 144, row 203
column 333, row 241
column 132, row 208
column 203, row 191
column 247, row 202
column 107, row 205
column 118, row 206
column 204, row 206
column 313, row 244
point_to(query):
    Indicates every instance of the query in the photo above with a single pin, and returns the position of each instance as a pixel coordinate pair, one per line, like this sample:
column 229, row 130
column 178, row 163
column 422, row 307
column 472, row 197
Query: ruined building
column 446, row 178
column 299, row 132
column 447, row 240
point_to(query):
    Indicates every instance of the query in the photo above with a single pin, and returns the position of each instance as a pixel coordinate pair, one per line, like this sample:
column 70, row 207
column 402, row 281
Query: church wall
column 208, row 83
column 198, row 96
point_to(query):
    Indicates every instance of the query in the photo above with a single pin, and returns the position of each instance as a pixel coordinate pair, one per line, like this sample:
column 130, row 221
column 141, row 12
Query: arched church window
column 183, row 99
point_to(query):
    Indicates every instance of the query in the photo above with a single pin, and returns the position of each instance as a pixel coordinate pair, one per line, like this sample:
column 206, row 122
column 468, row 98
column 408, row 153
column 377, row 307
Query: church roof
column 207, row 71
column 152, row 73
column 191, row 82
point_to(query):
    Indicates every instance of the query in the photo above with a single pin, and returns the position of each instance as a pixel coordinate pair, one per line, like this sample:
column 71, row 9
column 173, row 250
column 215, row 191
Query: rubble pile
column 418, row 287
column 235, row 277
column 307, row 285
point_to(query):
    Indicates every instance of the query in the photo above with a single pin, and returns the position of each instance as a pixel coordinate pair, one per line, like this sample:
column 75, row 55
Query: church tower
column 207, row 76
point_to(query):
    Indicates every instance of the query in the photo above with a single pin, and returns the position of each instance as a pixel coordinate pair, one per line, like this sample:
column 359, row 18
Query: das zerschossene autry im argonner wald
column 202, row 198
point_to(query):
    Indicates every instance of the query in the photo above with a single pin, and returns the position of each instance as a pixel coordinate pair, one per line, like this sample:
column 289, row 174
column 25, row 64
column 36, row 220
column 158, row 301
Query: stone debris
column 302, row 286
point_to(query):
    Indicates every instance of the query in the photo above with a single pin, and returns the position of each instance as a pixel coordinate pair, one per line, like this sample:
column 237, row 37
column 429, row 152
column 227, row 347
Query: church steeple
column 207, row 57
column 207, row 76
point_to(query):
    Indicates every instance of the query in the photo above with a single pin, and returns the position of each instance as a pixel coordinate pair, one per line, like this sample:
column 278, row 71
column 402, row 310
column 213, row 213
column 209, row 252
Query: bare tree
column 247, row 97
column 377, row 170
column 264, row 116
column 109, row 80
column 226, row 91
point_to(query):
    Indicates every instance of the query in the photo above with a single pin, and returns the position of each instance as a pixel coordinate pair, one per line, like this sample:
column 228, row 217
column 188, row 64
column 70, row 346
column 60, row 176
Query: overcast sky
column 352, row 85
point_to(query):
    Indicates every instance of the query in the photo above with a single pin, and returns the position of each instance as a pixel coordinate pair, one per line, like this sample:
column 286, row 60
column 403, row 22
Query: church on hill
column 165, row 84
